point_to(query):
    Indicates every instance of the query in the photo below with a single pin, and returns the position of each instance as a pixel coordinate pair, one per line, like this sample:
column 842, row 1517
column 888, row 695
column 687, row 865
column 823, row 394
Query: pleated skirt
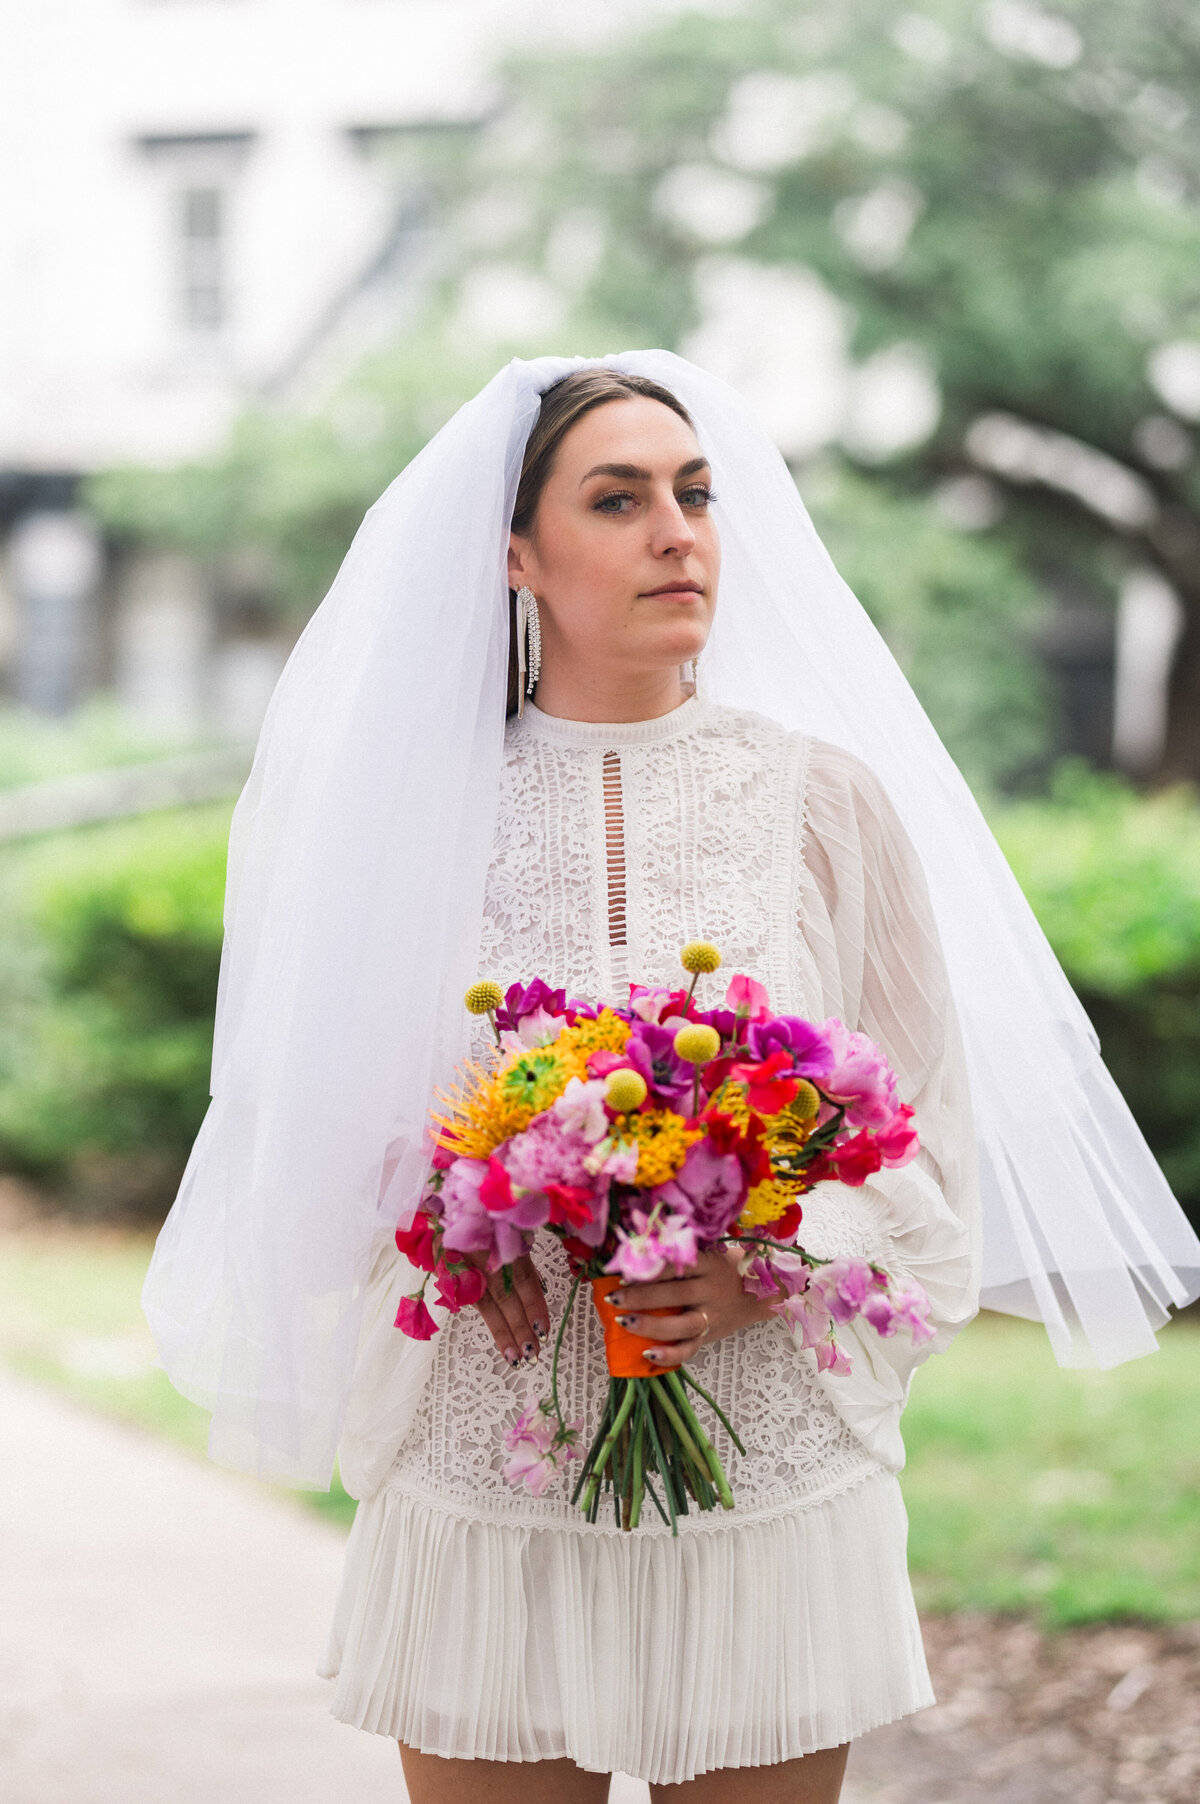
column 743, row 1644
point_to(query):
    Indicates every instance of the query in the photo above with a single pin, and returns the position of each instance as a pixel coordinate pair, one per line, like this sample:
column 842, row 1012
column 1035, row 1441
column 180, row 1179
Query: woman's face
column 624, row 554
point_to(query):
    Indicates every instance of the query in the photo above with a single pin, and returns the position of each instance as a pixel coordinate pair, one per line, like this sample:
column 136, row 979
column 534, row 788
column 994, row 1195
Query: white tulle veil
column 357, row 863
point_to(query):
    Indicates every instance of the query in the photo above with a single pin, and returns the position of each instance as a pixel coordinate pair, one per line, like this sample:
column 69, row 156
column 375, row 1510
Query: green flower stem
column 664, row 1469
column 609, row 1443
column 715, row 1407
column 720, row 1482
column 637, row 1482
column 683, row 1439
column 558, row 1340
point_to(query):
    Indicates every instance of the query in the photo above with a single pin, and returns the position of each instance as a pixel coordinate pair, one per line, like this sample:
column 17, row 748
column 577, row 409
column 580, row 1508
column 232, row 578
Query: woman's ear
column 518, row 561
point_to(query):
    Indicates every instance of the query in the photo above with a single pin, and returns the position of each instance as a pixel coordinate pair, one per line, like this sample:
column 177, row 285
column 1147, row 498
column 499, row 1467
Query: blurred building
column 199, row 201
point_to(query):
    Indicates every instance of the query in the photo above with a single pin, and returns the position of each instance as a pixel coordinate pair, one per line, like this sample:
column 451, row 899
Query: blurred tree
column 953, row 253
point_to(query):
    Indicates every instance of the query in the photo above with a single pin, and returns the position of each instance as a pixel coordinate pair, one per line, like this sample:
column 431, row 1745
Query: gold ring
column 704, row 1313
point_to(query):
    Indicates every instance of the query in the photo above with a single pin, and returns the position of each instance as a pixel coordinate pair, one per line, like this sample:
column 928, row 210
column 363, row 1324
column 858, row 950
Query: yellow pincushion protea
column 765, row 1204
column 662, row 1138
column 480, row 1115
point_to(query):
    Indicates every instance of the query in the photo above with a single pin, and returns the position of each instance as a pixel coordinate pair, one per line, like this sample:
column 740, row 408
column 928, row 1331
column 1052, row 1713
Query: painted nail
column 627, row 1321
column 510, row 1353
column 541, row 1329
column 529, row 1350
column 615, row 1298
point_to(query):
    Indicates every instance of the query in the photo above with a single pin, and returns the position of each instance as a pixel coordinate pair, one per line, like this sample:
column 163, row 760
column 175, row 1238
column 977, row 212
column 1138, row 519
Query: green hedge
column 1114, row 878
column 110, row 973
column 108, row 970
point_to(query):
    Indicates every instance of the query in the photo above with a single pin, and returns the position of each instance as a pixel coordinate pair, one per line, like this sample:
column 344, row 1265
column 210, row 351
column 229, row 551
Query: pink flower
column 539, row 1449
column 469, row 1227
column 898, row 1141
column 580, row 1110
column 912, row 1308
column 776, row 1274
column 548, row 1151
column 861, row 1077
column 747, row 998
column 709, row 1189
column 535, row 1029
column 879, row 1311
column 806, row 1313
column 844, row 1286
column 413, row 1319
column 651, row 1004
column 644, row 1255
column 830, row 1358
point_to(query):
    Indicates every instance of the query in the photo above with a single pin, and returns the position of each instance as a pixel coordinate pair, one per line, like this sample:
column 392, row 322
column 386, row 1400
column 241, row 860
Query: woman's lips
column 674, row 589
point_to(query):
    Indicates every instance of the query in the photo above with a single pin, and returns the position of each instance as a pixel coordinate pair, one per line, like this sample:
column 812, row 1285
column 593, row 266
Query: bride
column 398, row 839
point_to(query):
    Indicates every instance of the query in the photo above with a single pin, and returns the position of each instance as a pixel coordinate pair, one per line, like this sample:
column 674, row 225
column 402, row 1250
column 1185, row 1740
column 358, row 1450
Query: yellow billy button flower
column 698, row 956
column 624, row 1091
column 697, row 1043
column 484, row 998
column 806, row 1104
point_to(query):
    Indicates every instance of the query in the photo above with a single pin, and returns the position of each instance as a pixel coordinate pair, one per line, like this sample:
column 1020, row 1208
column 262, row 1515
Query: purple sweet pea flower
column 844, row 1286
column 709, row 1190
column 650, row 1049
column 807, row 1045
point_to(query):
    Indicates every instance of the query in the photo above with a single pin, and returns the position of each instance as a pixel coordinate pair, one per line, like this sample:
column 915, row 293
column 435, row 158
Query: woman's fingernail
column 615, row 1298
column 510, row 1353
column 541, row 1329
column 529, row 1350
column 627, row 1321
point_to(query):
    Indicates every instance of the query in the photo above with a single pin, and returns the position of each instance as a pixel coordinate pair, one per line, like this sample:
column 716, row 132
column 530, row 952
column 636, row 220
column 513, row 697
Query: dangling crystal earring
column 529, row 646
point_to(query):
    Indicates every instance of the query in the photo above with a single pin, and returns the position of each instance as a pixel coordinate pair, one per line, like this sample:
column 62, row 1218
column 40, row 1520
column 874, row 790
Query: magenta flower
column 468, row 1226
column 912, row 1308
column 458, row 1289
column 898, row 1141
column 651, row 1050
column 413, row 1319
column 810, row 1051
column 709, row 1189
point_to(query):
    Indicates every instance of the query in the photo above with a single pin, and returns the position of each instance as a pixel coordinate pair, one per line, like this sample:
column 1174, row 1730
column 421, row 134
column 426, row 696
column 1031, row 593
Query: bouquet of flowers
column 642, row 1136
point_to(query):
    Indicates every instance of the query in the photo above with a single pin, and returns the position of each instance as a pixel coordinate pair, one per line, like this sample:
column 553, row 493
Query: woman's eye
column 612, row 503
column 700, row 496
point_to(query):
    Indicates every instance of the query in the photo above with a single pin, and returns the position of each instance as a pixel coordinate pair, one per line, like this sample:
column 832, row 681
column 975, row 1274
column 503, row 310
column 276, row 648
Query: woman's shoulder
column 826, row 763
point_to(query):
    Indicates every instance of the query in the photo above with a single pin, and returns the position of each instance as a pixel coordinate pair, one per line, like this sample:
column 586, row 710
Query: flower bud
column 698, row 956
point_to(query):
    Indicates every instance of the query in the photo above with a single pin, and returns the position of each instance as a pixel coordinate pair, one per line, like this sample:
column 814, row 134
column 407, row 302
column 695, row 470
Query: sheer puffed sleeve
column 866, row 921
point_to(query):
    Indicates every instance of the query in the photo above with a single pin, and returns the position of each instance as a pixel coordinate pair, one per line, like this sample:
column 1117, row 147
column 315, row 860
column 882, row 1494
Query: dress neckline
column 613, row 733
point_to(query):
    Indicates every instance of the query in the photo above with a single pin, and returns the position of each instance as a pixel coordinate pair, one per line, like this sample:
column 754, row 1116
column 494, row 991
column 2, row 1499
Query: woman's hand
column 717, row 1305
column 517, row 1317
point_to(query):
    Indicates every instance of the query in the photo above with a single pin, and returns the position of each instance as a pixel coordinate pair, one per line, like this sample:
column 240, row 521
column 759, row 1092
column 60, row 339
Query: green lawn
column 1072, row 1495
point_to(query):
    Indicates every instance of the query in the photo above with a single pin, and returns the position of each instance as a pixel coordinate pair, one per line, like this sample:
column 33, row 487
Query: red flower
column 785, row 1226
column 416, row 1242
column 413, row 1319
column 578, row 1250
column 571, row 1205
column 747, row 1144
column 855, row 1160
column 898, row 1143
column 495, row 1192
column 767, row 1092
column 456, row 1289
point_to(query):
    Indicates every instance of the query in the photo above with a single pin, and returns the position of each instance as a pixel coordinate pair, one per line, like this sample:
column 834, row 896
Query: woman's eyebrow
column 633, row 472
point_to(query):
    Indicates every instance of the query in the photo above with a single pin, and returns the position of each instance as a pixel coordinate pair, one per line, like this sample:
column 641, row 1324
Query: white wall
column 94, row 365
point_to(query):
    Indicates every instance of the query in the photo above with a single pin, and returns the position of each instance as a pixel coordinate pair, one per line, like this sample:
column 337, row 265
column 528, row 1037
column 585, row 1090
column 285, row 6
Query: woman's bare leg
column 817, row 1779
column 432, row 1780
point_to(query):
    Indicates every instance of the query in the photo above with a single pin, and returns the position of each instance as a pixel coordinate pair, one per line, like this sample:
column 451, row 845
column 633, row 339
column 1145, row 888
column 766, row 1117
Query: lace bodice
column 614, row 846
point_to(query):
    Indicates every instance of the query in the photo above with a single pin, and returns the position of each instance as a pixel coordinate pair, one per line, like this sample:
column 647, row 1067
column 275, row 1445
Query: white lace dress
column 475, row 1620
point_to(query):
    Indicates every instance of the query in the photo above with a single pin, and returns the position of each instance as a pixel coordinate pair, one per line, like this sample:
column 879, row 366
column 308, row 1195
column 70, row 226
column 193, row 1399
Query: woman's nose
column 671, row 530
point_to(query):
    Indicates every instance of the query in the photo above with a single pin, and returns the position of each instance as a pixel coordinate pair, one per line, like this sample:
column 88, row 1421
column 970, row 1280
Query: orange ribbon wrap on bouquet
column 624, row 1350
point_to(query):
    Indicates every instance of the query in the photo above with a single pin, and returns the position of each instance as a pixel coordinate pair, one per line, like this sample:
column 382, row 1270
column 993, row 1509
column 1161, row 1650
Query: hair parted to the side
column 564, row 402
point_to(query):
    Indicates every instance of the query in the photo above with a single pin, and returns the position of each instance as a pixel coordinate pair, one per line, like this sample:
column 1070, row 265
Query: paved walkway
column 160, row 1623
